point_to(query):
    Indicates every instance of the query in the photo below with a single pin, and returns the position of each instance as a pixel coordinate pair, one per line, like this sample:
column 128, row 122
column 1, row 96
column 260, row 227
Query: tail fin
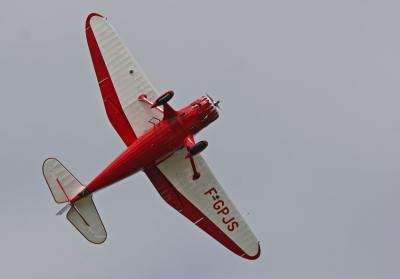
column 82, row 213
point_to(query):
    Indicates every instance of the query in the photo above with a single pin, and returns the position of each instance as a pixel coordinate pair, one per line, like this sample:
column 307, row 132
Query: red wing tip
column 256, row 256
column 89, row 17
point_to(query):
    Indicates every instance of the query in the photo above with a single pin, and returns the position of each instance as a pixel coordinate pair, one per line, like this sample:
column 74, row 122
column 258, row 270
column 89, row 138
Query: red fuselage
column 167, row 136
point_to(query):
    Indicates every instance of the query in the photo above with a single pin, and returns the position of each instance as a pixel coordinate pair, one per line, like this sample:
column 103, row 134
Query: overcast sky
column 308, row 141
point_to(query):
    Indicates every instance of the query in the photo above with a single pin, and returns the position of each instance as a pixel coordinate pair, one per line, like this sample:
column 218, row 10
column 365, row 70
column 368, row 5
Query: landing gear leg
column 196, row 174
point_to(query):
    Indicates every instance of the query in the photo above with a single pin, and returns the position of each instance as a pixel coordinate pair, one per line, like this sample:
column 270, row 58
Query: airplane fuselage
column 159, row 142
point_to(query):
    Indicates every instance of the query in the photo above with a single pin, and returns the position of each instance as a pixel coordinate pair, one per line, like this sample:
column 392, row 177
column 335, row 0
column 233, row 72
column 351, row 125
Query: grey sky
column 308, row 142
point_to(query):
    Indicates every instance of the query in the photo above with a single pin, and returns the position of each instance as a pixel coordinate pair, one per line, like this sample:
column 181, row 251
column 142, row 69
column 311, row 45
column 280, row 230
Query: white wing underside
column 179, row 172
column 127, row 77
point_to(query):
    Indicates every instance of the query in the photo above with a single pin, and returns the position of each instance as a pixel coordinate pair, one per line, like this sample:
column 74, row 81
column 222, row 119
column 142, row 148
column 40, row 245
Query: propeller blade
column 215, row 103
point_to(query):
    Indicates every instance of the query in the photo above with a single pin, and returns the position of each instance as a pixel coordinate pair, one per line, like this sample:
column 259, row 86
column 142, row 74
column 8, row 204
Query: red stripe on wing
column 187, row 209
column 112, row 105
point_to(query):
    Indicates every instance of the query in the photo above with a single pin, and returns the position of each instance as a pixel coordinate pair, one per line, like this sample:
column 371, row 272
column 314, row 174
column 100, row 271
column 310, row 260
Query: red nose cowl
column 210, row 112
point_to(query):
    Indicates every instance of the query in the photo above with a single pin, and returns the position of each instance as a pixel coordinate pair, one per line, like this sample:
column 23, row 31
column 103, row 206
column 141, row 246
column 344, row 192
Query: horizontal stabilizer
column 62, row 184
column 85, row 218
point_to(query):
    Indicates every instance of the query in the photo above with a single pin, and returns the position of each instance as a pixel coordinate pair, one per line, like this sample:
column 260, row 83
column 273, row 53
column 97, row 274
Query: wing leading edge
column 121, row 80
column 204, row 202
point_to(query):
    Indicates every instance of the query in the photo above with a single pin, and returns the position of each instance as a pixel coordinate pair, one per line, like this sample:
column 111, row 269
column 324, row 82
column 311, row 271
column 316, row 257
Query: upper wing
column 204, row 202
column 121, row 80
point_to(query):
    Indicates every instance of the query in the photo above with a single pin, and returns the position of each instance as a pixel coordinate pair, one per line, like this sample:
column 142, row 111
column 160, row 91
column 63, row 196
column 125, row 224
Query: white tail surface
column 85, row 218
column 62, row 184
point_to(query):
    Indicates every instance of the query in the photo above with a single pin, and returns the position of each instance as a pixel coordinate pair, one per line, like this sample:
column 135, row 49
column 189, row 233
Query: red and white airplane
column 159, row 142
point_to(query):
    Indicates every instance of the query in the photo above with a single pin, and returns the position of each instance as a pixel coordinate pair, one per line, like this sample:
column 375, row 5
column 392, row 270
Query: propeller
column 215, row 103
